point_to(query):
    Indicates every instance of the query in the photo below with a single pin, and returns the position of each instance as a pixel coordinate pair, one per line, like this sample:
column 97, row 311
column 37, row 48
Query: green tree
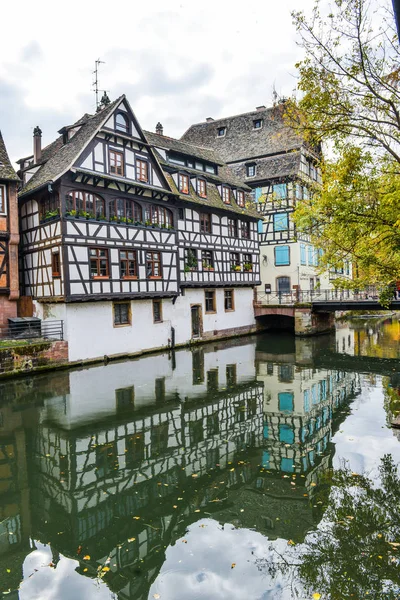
column 350, row 85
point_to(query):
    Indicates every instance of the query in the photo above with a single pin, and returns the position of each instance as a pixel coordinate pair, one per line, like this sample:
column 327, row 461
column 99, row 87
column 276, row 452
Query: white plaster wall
column 91, row 333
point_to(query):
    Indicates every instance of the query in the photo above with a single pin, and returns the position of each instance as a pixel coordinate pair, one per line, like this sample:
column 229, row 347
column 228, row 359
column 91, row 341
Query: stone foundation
column 8, row 309
column 31, row 356
column 309, row 323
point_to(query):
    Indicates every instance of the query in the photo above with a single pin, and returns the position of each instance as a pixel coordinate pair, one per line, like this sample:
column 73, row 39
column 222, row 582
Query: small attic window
column 121, row 123
column 221, row 131
column 251, row 170
column 257, row 123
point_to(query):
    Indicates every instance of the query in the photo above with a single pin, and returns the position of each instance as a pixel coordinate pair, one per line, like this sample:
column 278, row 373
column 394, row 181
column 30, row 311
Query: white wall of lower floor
column 90, row 331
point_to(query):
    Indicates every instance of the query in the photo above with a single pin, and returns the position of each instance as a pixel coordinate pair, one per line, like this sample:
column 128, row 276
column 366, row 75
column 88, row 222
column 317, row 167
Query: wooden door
column 196, row 320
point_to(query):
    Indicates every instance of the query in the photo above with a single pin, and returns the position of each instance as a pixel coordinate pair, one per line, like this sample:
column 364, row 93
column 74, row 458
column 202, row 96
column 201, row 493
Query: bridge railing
column 28, row 329
column 308, row 296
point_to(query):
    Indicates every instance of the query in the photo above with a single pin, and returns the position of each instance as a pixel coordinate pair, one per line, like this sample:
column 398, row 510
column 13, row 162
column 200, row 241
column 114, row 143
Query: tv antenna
column 95, row 84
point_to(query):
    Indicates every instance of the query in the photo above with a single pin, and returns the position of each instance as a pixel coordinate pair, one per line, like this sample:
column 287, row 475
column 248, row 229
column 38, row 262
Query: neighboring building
column 135, row 240
column 280, row 168
column 9, row 237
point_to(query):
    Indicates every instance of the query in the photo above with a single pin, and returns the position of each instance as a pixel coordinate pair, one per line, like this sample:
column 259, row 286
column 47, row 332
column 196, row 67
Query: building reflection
column 123, row 458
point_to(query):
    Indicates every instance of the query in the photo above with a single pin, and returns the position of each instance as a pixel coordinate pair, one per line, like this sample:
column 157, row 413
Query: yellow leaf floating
column 316, row 596
column 86, row 557
column 291, row 543
column 233, row 565
column 131, row 539
column 156, row 596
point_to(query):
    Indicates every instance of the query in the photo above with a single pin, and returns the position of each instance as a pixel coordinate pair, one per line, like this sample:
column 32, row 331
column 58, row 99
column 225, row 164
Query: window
column 207, row 260
column 98, row 263
column 135, row 448
column 183, row 183
column 234, row 258
column 209, row 296
column 303, row 256
column 282, row 256
column 229, row 300
column 126, row 211
column 246, row 229
column 159, row 389
column 198, row 366
column 280, row 190
column 142, row 170
column 257, row 123
column 221, row 131
column 250, row 170
column 247, row 262
column 158, row 215
column 233, row 228
column 79, row 202
column 116, row 162
column 286, row 401
column 191, row 262
column 283, row 285
column 106, row 459
column 157, row 311
column 122, row 313
column 153, row 265
column 231, row 375
column 240, row 198
column 128, row 264
column 49, row 206
column 159, row 438
column 2, row 199
column 121, row 123
column 281, row 222
column 205, row 222
column 202, row 188
column 125, row 398
column 55, row 264
column 212, row 380
column 285, row 373
column 286, row 434
column 226, row 195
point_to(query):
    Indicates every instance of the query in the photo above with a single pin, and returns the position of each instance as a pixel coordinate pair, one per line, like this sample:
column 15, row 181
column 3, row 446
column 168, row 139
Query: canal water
column 256, row 469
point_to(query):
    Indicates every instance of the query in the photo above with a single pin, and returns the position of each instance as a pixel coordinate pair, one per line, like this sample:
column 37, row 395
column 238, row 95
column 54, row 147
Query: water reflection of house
column 145, row 446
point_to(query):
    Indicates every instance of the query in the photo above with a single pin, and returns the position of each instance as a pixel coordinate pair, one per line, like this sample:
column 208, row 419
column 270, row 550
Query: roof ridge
column 255, row 112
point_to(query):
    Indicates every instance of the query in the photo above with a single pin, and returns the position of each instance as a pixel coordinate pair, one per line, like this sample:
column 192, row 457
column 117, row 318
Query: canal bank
column 178, row 476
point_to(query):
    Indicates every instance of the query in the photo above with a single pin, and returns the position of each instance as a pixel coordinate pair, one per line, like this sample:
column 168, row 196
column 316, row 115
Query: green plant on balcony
column 248, row 267
column 71, row 213
column 207, row 266
column 235, row 268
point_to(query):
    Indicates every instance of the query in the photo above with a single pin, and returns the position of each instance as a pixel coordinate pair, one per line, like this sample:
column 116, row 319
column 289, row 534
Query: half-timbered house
column 112, row 225
column 9, row 237
column 269, row 156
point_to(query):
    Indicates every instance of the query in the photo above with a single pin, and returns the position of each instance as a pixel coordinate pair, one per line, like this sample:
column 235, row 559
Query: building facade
column 135, row 240
column 9, row 237
column 281, row 169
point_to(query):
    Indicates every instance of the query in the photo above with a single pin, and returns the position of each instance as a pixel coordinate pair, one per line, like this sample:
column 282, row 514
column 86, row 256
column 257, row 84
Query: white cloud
column 178, row 65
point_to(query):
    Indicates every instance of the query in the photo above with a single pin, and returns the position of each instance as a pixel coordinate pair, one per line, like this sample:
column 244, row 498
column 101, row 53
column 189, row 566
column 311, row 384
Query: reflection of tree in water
column 355, row 553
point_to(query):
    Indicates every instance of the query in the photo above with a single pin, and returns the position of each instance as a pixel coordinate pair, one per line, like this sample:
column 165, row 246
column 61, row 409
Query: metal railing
column 32, row 329
column 310, row 296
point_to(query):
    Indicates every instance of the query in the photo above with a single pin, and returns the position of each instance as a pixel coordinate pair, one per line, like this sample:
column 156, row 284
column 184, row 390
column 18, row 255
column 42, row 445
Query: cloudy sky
column 178, row 61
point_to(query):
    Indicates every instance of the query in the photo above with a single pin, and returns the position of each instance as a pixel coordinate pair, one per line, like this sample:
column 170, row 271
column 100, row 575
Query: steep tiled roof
column 213, row 200
column 241, row 141
column 283, row 165
column 63, row 156
column 168, row 143
column 225, row 174
column 6, row 169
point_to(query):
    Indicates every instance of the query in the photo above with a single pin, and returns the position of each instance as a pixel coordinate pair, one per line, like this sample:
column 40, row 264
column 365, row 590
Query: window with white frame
column 2, row 200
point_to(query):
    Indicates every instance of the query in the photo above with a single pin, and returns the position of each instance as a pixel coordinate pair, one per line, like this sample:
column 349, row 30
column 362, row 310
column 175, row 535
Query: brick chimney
column 260, row 108
column 37, row 144
column 209, row 119
column 159, row 129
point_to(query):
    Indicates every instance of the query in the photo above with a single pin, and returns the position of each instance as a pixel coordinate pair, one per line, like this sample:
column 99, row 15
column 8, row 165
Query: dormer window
column 202, row 188
column 240, row 198
column 226, row 195
column 121, row 123
column 221, row 131
column 257, row 123
column 251, row 170
column 183, row 183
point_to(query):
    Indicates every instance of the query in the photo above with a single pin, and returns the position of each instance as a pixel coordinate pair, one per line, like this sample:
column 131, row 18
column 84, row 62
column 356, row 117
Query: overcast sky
column 178, row 62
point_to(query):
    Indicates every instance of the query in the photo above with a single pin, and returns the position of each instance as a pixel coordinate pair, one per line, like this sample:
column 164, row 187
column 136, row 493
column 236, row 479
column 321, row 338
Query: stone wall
column 32, row 356
column 308, row 323
column 8, row 309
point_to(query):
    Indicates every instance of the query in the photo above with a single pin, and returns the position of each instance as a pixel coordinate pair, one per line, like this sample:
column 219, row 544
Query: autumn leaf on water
column 291, row 543
column 233, row 565
column 86, row 557
column 316, row 596
column 156, row 596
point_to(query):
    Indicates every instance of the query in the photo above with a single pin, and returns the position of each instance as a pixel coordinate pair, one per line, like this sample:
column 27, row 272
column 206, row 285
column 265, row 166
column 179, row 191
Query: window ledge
column 155, row 277
column 97, row 277
column 210, row 312
column 117, row 326
column 133, row 278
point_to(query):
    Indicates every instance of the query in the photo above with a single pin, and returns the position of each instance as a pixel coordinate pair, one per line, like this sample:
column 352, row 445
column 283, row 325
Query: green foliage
column 350, row 80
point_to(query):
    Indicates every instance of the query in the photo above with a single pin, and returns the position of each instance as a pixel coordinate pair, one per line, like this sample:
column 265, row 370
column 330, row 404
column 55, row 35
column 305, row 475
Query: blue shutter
column 281, row 222
column 303, row 256
column 310, row 255
column 286, row 401
column 314, row 393
column 265, row 459
column 257, row 194
column 287, row 465
column 266, row 432
column 280, row 190
column 282, row 256
column 306, row 398
column 260, row 226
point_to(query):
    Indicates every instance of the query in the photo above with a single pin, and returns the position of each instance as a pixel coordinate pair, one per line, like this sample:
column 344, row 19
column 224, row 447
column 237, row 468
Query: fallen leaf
column 233, row 565
column 291, row 543
column 197, row 510
column 316, row 596
column 131, row 539
column 86, row 557
column 156, row 596
column 313, row 484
